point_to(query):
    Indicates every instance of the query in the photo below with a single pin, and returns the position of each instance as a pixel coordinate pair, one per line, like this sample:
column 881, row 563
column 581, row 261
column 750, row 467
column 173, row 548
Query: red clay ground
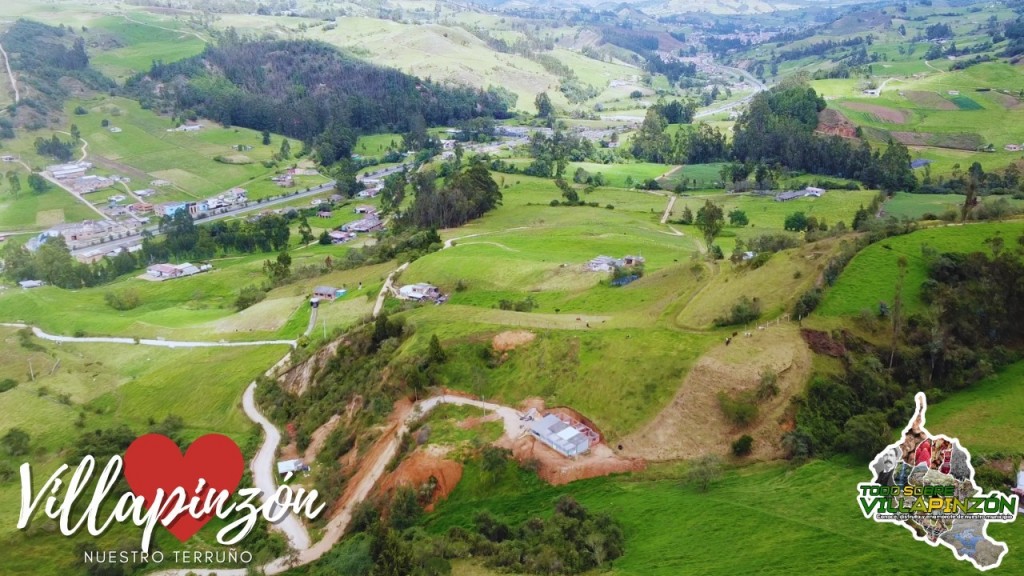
column 833, row 123
column 417, row 469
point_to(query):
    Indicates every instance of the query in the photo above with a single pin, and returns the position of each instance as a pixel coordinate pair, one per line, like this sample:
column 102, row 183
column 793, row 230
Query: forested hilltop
column 304, row 89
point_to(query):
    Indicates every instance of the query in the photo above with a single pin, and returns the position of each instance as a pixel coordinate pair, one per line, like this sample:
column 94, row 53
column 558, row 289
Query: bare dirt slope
column 693, row 425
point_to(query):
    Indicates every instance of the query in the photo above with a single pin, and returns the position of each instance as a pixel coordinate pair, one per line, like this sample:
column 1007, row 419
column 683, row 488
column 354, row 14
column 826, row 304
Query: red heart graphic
column 155, row 462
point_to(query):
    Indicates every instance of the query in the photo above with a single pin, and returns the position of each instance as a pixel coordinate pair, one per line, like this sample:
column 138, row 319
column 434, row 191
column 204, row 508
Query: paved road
column 758, row 87
column 145, row 341
column 263, row 468
column 10, row 74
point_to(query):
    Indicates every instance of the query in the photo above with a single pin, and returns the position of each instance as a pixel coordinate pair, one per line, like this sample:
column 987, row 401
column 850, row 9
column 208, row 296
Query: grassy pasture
column 377, row 145
column 145, row 150
column 38, row 211
column 111, row 385
column 981, row 415
column 871, row 275
column 139, row 43
column 816, row 524
column 940, row 106
column 619, row 378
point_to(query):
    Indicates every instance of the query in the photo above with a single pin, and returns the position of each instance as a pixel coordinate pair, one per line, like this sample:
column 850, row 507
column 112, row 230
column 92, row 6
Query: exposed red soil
column 833, row 123
column 416, row 470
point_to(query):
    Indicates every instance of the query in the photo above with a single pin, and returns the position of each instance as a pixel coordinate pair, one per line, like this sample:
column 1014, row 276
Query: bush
column 807, row 302
column 741, row 409
column 743, row 311
column 768, row 387
column 127, row 299
column 743, row 445
column 248, row 296
column 7, row 384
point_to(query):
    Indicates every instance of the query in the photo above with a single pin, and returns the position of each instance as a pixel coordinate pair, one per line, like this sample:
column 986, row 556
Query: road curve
column 262, row 466
column 370, row 473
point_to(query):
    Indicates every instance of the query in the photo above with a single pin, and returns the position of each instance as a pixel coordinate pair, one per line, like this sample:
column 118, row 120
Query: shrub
column 743, row 311
column 768, row 387
column 248, row 296
column 126, row 299
column 741, row 409
column 807, row 302
column 7, row 384
column 743, row 445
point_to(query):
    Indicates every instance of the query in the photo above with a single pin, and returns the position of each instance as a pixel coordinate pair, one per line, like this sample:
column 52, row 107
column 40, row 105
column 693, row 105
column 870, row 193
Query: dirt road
column 145, row 341
column 10, row 74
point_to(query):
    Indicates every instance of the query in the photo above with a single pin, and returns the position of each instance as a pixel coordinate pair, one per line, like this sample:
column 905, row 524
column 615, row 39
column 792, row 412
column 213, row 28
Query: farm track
column 39, row 333
column 10, row 74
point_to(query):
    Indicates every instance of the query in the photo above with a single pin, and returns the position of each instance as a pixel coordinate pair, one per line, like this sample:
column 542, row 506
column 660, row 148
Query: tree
column 865, row 434
column 687, row 216
column 975, row 175
column 16, row 442
column 897, row 307
column 266, row 137
column 305, row 231
column 390, row 555
column 545, row 109
column 710, row 220
column 15, row 181
column 738, row 218
column 286, row 148
column 797, row 222
column 37, row 183
column 436, row 354
column 76, row 135
column 325, row 239
column 704, row 471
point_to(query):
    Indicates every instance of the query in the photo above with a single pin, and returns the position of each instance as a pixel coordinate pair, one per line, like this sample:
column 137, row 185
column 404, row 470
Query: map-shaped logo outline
column 916, row 426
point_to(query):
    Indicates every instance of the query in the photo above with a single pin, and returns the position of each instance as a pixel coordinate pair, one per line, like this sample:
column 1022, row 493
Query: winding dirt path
column 10, row 74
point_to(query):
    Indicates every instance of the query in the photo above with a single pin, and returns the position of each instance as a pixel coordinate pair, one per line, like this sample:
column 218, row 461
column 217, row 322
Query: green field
column 146, row 150
column 31, row 211
column 871, row 275
column 980, row 101
column 110, row 385
column 981, row 415
column 139, row 42
column 810, row 512
column 194, row 308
